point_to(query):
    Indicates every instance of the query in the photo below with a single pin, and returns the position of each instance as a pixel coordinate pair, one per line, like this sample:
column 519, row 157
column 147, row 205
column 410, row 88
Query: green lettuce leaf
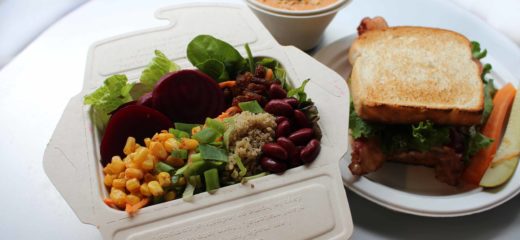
column 476, row 142
column 107, row 98
column 358, row 127
column 425, row 136
column 158, row 67
column 299, row 92
column 476, row 51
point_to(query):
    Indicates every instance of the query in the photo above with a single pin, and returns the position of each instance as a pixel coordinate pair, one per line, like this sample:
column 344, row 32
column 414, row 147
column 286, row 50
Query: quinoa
column 250, row 132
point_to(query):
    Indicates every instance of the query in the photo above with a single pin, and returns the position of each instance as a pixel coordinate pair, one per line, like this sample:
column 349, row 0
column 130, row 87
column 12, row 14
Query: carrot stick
column 132, row 209
column 227, row 84
column 269, row 74
column 493, row 128
column 109, row 202
column 229, row 112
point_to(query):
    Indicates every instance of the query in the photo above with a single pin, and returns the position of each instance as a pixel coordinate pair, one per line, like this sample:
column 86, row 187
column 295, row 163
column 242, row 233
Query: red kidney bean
column 310, row 152
column 283, row 129
column 276, row 91
column 292, row 151
column 278, row 107
column 275, row 151
column 300, row 119
column 297, row 160
column 280, row 119
column 302, row 136
column 292, row 101
column 271, row 165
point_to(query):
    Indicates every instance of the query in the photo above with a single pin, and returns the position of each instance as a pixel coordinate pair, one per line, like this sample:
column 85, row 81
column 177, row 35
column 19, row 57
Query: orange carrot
column 227, row 84
column 493, row 129
column 132, row 209
column 109, row 202
column 269, row 74
column 229, row 112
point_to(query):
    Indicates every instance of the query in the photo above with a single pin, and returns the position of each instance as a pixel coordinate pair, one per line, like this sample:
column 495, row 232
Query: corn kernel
column 133, row 173
column 119, row 183
column 121, row 175
column 132, row 199
column 117, row 165
column 157, row 149
column 155, row 188
column 164, row 135
column 188, row 143
column 132, row 184
column 145, row 190
column 174, row 162
column 148, row 177
column 147, row 142
column 155, row 137
column 171, row 144
column 195, row 130
column 140, row 155
column 129, row 146
column 149, row 163
column 170, row 196
column 164, row 179
column 108, row 180
column 119, row 197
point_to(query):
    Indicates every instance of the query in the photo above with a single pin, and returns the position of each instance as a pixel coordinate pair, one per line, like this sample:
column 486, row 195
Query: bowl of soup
column 300, row 23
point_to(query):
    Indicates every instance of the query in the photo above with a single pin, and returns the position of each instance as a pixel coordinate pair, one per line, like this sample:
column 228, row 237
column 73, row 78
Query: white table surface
column 36, row 86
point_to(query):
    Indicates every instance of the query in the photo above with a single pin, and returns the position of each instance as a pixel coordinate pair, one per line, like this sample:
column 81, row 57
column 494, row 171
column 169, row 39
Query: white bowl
column 331, row 7
column 303, row 30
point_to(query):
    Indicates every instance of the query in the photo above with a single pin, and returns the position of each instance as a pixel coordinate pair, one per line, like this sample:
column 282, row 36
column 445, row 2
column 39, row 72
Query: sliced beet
column 146, row 100
column 122, row 106
column 136, row 121
column 188, row 96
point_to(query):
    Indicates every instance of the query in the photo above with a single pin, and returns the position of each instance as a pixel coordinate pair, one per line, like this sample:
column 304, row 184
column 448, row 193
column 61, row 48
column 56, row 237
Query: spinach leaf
column 204, row 47
column 250, row 59
column 299, row 92
column 215, row 69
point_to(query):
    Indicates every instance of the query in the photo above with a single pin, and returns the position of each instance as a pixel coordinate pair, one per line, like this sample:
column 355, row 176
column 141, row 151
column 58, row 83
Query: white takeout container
column 308, row 202
column 302, row 29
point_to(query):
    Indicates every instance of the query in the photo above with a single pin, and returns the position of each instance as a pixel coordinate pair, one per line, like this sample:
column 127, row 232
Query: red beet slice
column 122, row 106
column 188, row 96
column 146, row 100
column 134, row 120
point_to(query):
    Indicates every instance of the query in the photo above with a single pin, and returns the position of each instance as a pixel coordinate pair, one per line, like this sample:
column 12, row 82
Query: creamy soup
column 298, row 5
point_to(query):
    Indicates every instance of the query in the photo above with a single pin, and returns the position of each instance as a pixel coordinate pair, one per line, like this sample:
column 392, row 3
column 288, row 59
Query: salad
column 178, row 132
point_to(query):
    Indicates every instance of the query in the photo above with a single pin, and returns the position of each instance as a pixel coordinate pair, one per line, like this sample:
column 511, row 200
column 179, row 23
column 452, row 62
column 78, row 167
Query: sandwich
column 418, row 96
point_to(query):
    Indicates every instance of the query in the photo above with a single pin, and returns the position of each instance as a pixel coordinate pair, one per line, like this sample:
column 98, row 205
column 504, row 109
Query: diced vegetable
column 207, row 135
column 185, row 127
column 179, row 134
column 251, row 106
column 163, row 167
column 179, row 153
column 492, row 129
column 212, row 179
column 215, row 124
column 213, row 153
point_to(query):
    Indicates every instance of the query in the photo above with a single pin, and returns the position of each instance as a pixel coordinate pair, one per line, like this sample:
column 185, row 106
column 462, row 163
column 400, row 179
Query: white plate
column 414, row 189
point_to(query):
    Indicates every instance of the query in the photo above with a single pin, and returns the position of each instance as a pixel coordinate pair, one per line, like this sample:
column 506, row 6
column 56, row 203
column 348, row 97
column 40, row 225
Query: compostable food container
column 302, row 203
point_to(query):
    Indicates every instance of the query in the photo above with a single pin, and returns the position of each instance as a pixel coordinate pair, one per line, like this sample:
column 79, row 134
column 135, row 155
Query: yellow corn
column 169, row 196
column 149, row 163
column 145, row 190
column 155, row 188
column 157, row 149
column 147, row 142
column 149, row 177
column 133, row 173
column 171, row 144
column 164, row 135
column 189, row 144
column 115, row 166
column 108, row 180
column 164, row 179
column 140, row 155
column 119, row 197
column 129, row 146
column 174, row 162
column 132, row 199
column 132, row 185
column 195, row 130
column 119, row 183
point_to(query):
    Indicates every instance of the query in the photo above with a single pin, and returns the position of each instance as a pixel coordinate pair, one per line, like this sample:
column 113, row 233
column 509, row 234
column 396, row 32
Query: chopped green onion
column 187, row 195
column 213, row 153
column 212, row 180
column 196, row 157
column 180, row 153
column 163, row 167
column 178, row 133
column 243, row 170
column 196, row 181
column 251, row 106
column 206, row 135
column 185, row 127
column 215, row 124
column 255, row 176
column 181, row 170
column 225, row 138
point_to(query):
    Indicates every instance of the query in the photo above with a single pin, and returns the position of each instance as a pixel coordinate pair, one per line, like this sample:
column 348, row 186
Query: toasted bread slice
column 409, row 74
